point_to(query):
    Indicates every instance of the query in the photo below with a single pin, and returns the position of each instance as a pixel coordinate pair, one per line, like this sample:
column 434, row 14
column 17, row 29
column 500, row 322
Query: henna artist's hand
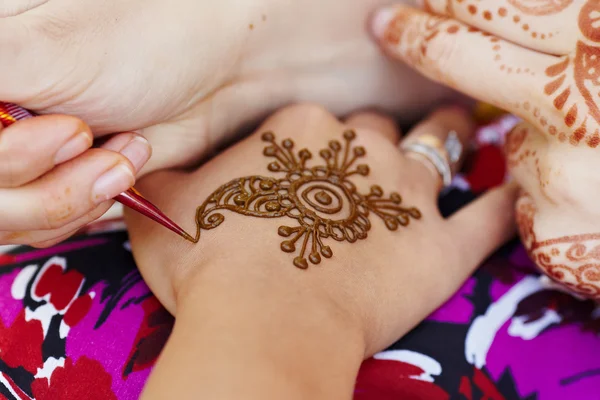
column 340, row 255
column 187, row 74
column 539, row 59
column 52, row 183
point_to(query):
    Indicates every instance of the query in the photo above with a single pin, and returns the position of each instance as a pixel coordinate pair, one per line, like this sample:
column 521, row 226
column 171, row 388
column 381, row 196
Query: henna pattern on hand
column 573, row 261
column 514, row 144
column 321, row 199
column 540, row 7
column 575, row 78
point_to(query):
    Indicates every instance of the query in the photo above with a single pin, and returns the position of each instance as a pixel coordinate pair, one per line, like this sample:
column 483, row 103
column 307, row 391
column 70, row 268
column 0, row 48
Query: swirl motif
column 321, row 199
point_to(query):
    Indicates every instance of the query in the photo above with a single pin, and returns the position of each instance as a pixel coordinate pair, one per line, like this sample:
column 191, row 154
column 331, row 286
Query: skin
column 305, row 331
column 539, row 59
column 48, row 190
column 186, row 74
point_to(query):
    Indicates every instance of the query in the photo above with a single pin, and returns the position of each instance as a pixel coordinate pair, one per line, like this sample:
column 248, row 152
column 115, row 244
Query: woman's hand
column 539, row 59
column 52, row 183
column 318, row 258
column 187, row 74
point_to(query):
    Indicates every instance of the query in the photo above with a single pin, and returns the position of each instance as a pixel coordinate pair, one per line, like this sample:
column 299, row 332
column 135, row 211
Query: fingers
column 375, row 123
column 526, row 152
column 72, row 189
column 57, row 139
column 47, row 238
column 478, row 64
column 439, row 124
column 546, row 26
column 488, row 222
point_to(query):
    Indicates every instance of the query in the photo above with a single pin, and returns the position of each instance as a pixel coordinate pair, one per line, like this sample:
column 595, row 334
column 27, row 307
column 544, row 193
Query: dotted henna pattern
column 573, row 261
column 321, row 199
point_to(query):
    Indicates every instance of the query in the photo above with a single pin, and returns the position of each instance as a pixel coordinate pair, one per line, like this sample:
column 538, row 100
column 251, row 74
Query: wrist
column 260, row 329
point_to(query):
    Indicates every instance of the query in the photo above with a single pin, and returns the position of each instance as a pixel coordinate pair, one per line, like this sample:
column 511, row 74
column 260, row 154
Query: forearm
column 255, row 338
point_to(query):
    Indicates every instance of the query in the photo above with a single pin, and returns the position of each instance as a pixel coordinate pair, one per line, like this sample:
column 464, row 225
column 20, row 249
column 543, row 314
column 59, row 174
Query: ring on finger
column 441, row 156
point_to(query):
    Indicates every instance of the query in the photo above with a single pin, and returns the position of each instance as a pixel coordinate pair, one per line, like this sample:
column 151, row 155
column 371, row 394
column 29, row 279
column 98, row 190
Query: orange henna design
column 575, row 83
column 573, row 261
column 540, row 7
column 514, row 142
column 321, row 199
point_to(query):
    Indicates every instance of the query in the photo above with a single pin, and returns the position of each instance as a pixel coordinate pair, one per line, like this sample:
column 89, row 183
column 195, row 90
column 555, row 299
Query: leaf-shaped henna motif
column 321, row 199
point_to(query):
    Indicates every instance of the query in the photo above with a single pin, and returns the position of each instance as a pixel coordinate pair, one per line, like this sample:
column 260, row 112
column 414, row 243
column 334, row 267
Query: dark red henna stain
column 322, row 200
column 561, row 99
column 578, row 134
column 557, row 69
column 472, row 9
column 487, row 15
column 572, row 117
column 502, row 12
column 594, row 140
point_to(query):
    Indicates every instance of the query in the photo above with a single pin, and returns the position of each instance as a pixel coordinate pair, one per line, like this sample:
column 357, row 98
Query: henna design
column 544, row 7
column 540, row 7
column 321, row 199
column 513, row 145
column 430, row 29
column 582, row 120
column 503, row 67
column 573, row 261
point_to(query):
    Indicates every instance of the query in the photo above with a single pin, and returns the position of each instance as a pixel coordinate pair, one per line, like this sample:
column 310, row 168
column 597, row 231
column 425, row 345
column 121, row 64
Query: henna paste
column 573, row 261
column 321, row 200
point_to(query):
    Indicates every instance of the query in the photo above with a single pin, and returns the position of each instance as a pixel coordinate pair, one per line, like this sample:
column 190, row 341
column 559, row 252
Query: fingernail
column 112, row 182
column 381, row 21
column 137, row 151
column 74, row 147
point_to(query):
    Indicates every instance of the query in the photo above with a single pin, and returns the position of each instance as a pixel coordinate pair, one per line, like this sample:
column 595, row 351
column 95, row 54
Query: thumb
column 486, row 224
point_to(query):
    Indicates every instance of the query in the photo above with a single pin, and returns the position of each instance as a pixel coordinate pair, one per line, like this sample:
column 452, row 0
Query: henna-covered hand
column 312, row 205
column 539, row 59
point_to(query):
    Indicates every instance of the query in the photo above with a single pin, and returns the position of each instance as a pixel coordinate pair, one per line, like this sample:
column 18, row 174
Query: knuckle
column 305, row 120
column 440, row 54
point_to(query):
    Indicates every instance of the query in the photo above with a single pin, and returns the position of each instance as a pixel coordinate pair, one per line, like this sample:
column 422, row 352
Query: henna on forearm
column 322, row 199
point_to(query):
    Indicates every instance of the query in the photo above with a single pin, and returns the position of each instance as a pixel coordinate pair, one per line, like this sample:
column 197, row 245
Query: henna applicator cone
column 11, row 113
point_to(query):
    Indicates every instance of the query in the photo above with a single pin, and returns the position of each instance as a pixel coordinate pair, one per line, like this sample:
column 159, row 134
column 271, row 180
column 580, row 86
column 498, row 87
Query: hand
column 268, row 250
column 541, row 61
column 187, row 74
column 52, row 183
